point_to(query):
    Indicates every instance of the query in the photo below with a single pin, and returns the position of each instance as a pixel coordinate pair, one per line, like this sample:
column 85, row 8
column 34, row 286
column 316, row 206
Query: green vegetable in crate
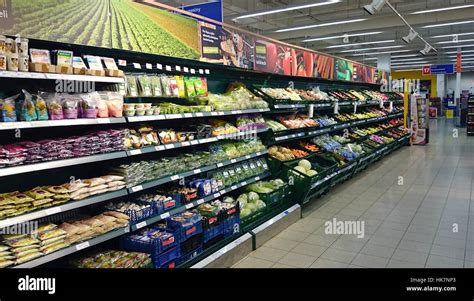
column 304, row 166
column 259, row 188
column 252, row 196
column 245, row 212
column 228, row 200
column 260, row 204
column 243, row 200
column 252, row 207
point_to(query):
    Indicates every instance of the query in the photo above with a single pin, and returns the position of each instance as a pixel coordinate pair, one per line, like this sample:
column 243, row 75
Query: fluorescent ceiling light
column 408, row 63
column 458, row 46
column 363, row 43
column 448, row 24
column 342, row 36
column 399, row 70
column 280, row 10
column 463, row 56
column 404, row 66
column 405, row 55
column 414, row 59
column 371, row 48
column 454, row 34
column 464, row 51
column 441, row 9
column 458, row 41
column 319, row 25
column 382, row 52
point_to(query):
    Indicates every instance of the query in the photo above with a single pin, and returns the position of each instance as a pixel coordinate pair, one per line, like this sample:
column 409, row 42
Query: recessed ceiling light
column 458, row 41
column 320, row 25
column 441, row 9
column 454, row 34
column 371, row 48
column 448, row 24
column 342, row 36
column 275, row 11
column 363, row 43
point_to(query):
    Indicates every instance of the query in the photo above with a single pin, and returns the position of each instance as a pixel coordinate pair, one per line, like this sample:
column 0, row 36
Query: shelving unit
column 470, row 116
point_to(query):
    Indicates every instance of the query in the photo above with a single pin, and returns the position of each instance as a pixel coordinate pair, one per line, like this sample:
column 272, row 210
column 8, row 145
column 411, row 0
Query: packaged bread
column 5, row 253
column 56, row 203
column 51, row 234
column 111, row 178
column 94, row 182
column 7, row 257
column 116, row 184
column 117, row 215
column 87, row 235
column 4, row 248
column 78, row 192
column 7, row 212
column 5, row 263
column 74, row 186
column 8, row 237
column 116, row 188
column 53, row 240
column 4, row 200
column 93, row 222
column 72, row 239
column 28, row 257
column 20, row 198
column 106, row 219
column 54, row 247
column 70, row 229
column 39, row 194
column 98, row 188
column 81, row 196
column 57, row 189
column 7, row 207
column 82, row 227
column 99, row 230
column 42, row 202
column 60, row 197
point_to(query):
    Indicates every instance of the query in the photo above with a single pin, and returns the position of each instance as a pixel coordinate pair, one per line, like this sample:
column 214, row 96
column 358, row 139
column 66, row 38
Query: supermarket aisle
column 409, row 225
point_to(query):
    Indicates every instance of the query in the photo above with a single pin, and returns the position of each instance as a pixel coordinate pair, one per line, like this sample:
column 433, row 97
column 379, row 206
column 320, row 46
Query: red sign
column 426, row 70
column 458, row 62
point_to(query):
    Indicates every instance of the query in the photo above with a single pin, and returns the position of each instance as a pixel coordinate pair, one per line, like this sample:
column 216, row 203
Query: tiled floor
column 426, row 222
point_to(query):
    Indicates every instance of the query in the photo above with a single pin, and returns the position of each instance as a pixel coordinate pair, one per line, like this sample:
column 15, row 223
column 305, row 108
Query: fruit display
column 275, row 125
column 305, row 167
column 115, row 260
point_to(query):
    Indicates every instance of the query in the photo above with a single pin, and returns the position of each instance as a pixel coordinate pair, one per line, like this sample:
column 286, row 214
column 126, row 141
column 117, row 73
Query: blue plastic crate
column 160, row 260
column 162, row 207
column 231, row 225
column 194, row 253
column 186, row 230
column 213, row 232
column 169, row 265
column 154, row 246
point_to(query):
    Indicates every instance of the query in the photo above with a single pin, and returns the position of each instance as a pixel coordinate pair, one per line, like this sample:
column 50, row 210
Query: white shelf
column 56, row 76
column 57, row 123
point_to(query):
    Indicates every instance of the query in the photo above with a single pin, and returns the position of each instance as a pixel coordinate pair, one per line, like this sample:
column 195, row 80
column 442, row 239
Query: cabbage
column 243, row 196
column 228, row 200
column 300, row 169
column 311, row 173
column 260, row 204
column 252, row 207
column 305, row 164
column 245, row 212
column 242, row 203
column 253, row 196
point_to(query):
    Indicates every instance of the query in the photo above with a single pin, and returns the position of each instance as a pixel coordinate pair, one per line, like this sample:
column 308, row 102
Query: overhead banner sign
column 6, row 18
column 438, row 69
column 211, row 10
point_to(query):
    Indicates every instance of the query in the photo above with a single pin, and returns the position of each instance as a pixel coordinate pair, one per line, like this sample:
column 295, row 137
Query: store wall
column 467, row 81
column 417, row 75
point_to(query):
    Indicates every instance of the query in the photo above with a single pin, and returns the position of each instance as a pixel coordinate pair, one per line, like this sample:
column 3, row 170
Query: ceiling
column 386, row 28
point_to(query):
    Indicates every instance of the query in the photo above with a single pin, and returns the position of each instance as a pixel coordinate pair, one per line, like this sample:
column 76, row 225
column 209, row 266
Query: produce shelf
column 73, row 249
column 56, row 76
column 57, row 123
column 60, row 163
column 196, row 171
column 66, row 207
column 196, row 203
column 194, row 115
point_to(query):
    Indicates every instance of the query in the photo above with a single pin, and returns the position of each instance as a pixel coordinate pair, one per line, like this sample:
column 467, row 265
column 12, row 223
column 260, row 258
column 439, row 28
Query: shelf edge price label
column 220, row 164
column 193, row 71
column 233, row 187
column 216, row 195
column 137, row 66
column 196, row 171
column 178, row 68
column 201, row 71
column 243, row 183
column 189, row 206
column 141, row 225
column 137, row 188
column 168, row 68
column 82, row 246
column 233, row 161
column 199, row 202
column 186, row 69
column 148, row 66
column 207, row 71
column 159, row 148
column 53, row 211
column 135, row 152
column 175, row 177
column 122, row 63
column 199, row 114
column 159, row 66
column 165, row 215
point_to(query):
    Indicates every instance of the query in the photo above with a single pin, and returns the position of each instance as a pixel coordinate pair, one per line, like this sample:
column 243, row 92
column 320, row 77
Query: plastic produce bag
column 70, row 105
column 7, row 107
column 55, row 108
column 115, row 104
column 41, row 106
column 101, row 104
column 26, row 107
column 88, row 106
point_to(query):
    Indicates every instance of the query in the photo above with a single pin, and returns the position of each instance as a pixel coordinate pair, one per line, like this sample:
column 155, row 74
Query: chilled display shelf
column 196, row 203
column 56, row 76
column 327, row 105
column 66, row 207
column 72, row 249
column 60, row 163
column 193, row 115
column 56, row 123
column 196, row 171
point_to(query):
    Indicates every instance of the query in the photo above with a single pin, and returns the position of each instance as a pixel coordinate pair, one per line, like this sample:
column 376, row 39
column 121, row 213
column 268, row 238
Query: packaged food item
column 88, row 106
column 10, row 46
column 22, row 242
column 117, row 215
column 111, row 178
column 94, row 62
column 5, row 263
column 189, row 83
column 27, row 109
column 51, row 241
column 132, row 89
column 62, row 57
column 41, row 202
column 155, row 84
column 166, row 86
column 28, row 257
column 12, row 62
column 3, row 248
column 200, row 86
column 57, row 189
column 45, row 235
column 23, row 63
column 144, row 85
column 55, row 108
column 45, row 227
column 95, row 189
column 20, row 198
column 94, row 182
column 101, row 103
column 2, row 44
column 52, row 248
column 23, row 249
column 26, row 253
column 3, row 62
column 77, row 62
column 70, row 229
column 75, row 185
column 115, row 104
column 39, row 194
column 70, row 105
column 40, row 56
column 22, row 46
column 41, row 107
column 109, row 63
column 8, row 111
column 92, row 222
column 180, row 86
